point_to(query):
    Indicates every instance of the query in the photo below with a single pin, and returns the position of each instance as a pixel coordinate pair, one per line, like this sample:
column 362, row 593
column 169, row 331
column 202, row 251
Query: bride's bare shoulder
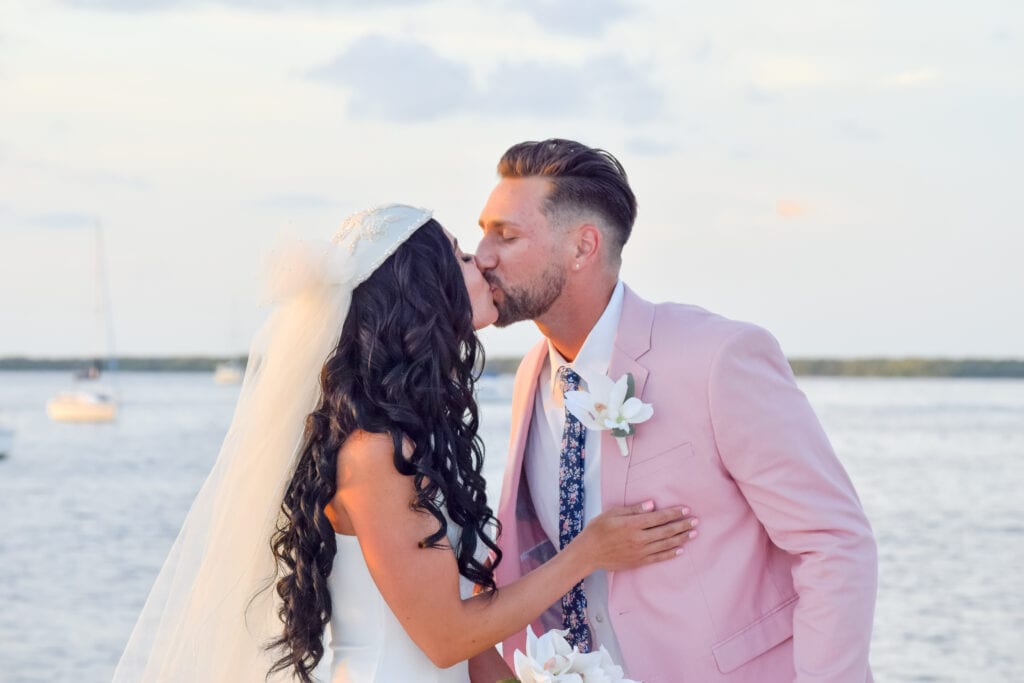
column 366, row 479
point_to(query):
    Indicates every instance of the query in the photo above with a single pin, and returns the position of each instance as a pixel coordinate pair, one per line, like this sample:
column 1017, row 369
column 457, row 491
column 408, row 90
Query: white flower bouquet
column 550, row 659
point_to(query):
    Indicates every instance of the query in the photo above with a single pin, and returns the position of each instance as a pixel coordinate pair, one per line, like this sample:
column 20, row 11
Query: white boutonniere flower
column 550, row 659
column 609, row 404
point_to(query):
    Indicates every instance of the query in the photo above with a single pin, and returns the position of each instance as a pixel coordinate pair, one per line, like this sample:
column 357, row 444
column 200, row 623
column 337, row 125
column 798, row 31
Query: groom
column 780, row 586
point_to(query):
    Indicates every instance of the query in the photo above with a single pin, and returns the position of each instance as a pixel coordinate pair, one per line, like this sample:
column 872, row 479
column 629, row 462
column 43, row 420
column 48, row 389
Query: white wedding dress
column 367, row 642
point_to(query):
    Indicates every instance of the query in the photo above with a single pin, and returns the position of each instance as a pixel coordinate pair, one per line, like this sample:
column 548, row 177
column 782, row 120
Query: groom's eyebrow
column 496, row 223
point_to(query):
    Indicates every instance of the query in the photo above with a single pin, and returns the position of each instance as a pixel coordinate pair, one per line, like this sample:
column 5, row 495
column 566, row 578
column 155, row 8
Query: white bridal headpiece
column 362, row 242
column 213, row 607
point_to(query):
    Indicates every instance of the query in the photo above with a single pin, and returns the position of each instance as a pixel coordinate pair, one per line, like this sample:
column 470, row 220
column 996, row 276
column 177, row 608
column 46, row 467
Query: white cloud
column 606, row 87
column 399, row 81
column 589, row 19
column 409, row 81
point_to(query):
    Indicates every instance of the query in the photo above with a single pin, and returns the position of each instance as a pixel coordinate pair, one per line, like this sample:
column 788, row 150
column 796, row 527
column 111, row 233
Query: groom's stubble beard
column 528, row 302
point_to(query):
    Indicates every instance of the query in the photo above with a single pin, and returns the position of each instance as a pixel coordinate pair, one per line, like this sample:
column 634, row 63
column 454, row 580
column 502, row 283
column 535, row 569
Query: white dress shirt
column 543, row 451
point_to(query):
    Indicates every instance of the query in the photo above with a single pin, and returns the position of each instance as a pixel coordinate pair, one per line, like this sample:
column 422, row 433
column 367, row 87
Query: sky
column 847, row 175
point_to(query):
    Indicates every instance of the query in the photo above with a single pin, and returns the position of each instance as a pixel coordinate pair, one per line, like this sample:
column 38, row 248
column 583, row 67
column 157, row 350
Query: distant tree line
column 908, row 367
column 501, row 365
column 128, row 364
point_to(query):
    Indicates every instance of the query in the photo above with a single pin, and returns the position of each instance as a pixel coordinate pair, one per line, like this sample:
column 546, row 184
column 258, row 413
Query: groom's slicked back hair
column 582, row 178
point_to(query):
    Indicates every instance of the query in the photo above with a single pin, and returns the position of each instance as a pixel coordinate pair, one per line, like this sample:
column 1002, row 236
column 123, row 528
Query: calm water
column 87, row 513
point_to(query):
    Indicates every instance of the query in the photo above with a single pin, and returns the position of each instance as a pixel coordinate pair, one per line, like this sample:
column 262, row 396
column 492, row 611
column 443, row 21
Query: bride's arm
column 421, row 585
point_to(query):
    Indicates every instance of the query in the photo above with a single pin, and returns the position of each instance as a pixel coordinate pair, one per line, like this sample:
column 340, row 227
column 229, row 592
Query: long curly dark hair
column 406, row 365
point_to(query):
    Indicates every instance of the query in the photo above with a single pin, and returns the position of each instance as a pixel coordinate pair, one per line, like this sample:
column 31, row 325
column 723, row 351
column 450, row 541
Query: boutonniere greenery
column 609, row 404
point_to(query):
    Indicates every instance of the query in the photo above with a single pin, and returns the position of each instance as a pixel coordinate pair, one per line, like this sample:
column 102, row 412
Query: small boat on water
column 93, row 404
column 6, row 441
column 92, row 371
column 82, row 406
column 230, row 372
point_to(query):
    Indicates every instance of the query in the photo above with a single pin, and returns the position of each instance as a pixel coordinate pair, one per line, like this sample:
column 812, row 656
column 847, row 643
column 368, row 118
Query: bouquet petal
column 550, row 659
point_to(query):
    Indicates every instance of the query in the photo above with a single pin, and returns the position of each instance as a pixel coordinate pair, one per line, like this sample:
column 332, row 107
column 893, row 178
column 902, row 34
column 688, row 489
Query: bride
column 347, row 496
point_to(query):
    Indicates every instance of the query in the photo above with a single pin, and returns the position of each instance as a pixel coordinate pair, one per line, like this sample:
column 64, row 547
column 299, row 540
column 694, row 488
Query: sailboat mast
column 103, row 288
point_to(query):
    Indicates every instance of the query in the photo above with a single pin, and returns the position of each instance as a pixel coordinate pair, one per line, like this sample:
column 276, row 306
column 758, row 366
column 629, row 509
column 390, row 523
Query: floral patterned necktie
column 570, row 510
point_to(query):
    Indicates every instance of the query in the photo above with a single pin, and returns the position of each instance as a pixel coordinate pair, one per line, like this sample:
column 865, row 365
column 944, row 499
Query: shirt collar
column 595, row 355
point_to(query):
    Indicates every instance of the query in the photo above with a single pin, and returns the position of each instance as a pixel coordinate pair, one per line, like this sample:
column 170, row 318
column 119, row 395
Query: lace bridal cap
column 208, row 616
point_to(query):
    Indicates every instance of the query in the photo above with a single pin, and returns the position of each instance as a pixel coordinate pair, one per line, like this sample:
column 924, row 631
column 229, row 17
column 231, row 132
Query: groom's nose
column 486, row 259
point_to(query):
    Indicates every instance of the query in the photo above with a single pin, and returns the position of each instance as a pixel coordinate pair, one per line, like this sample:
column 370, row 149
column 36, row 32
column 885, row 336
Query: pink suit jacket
column 780, row 585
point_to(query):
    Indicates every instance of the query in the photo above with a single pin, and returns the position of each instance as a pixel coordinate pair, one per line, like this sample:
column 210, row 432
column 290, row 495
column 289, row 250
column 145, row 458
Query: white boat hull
column 228, row 373
column 81, row 407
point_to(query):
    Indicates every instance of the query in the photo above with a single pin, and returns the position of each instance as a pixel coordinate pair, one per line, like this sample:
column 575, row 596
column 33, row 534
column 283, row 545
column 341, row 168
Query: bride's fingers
column 669, row 554
column 667, row 547
column 670, row 543
column 628, row 538
column 670, row 529
column 637, row 509
column 657, row 518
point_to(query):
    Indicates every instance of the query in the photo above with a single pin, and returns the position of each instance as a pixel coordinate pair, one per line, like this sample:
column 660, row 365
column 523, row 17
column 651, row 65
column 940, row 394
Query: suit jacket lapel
column 522, row 413
column 632, row 341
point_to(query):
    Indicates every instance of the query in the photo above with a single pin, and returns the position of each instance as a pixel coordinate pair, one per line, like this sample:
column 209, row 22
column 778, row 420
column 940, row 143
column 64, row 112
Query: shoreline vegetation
column 499, row 365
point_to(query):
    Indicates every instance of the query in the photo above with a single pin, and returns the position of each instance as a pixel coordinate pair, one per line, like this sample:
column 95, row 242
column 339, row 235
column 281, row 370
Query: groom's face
column 520, row 253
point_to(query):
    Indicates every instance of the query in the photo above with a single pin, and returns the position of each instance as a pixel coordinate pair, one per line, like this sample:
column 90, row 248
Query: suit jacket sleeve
column 770, row 440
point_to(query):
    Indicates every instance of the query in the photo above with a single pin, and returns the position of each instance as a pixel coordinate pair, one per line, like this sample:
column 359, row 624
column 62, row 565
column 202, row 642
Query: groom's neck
column 573, row 315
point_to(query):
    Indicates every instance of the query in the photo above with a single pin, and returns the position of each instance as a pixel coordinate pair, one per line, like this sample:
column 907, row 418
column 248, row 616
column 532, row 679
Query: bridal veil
column 213, row 607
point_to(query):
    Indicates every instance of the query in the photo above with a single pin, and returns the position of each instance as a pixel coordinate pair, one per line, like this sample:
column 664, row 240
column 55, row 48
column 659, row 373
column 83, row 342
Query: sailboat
column 82, row 406
column 91, row 404
column 228, row 372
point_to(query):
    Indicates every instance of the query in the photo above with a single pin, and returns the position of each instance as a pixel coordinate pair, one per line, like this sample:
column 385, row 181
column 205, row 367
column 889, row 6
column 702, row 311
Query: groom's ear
column 589, row 241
